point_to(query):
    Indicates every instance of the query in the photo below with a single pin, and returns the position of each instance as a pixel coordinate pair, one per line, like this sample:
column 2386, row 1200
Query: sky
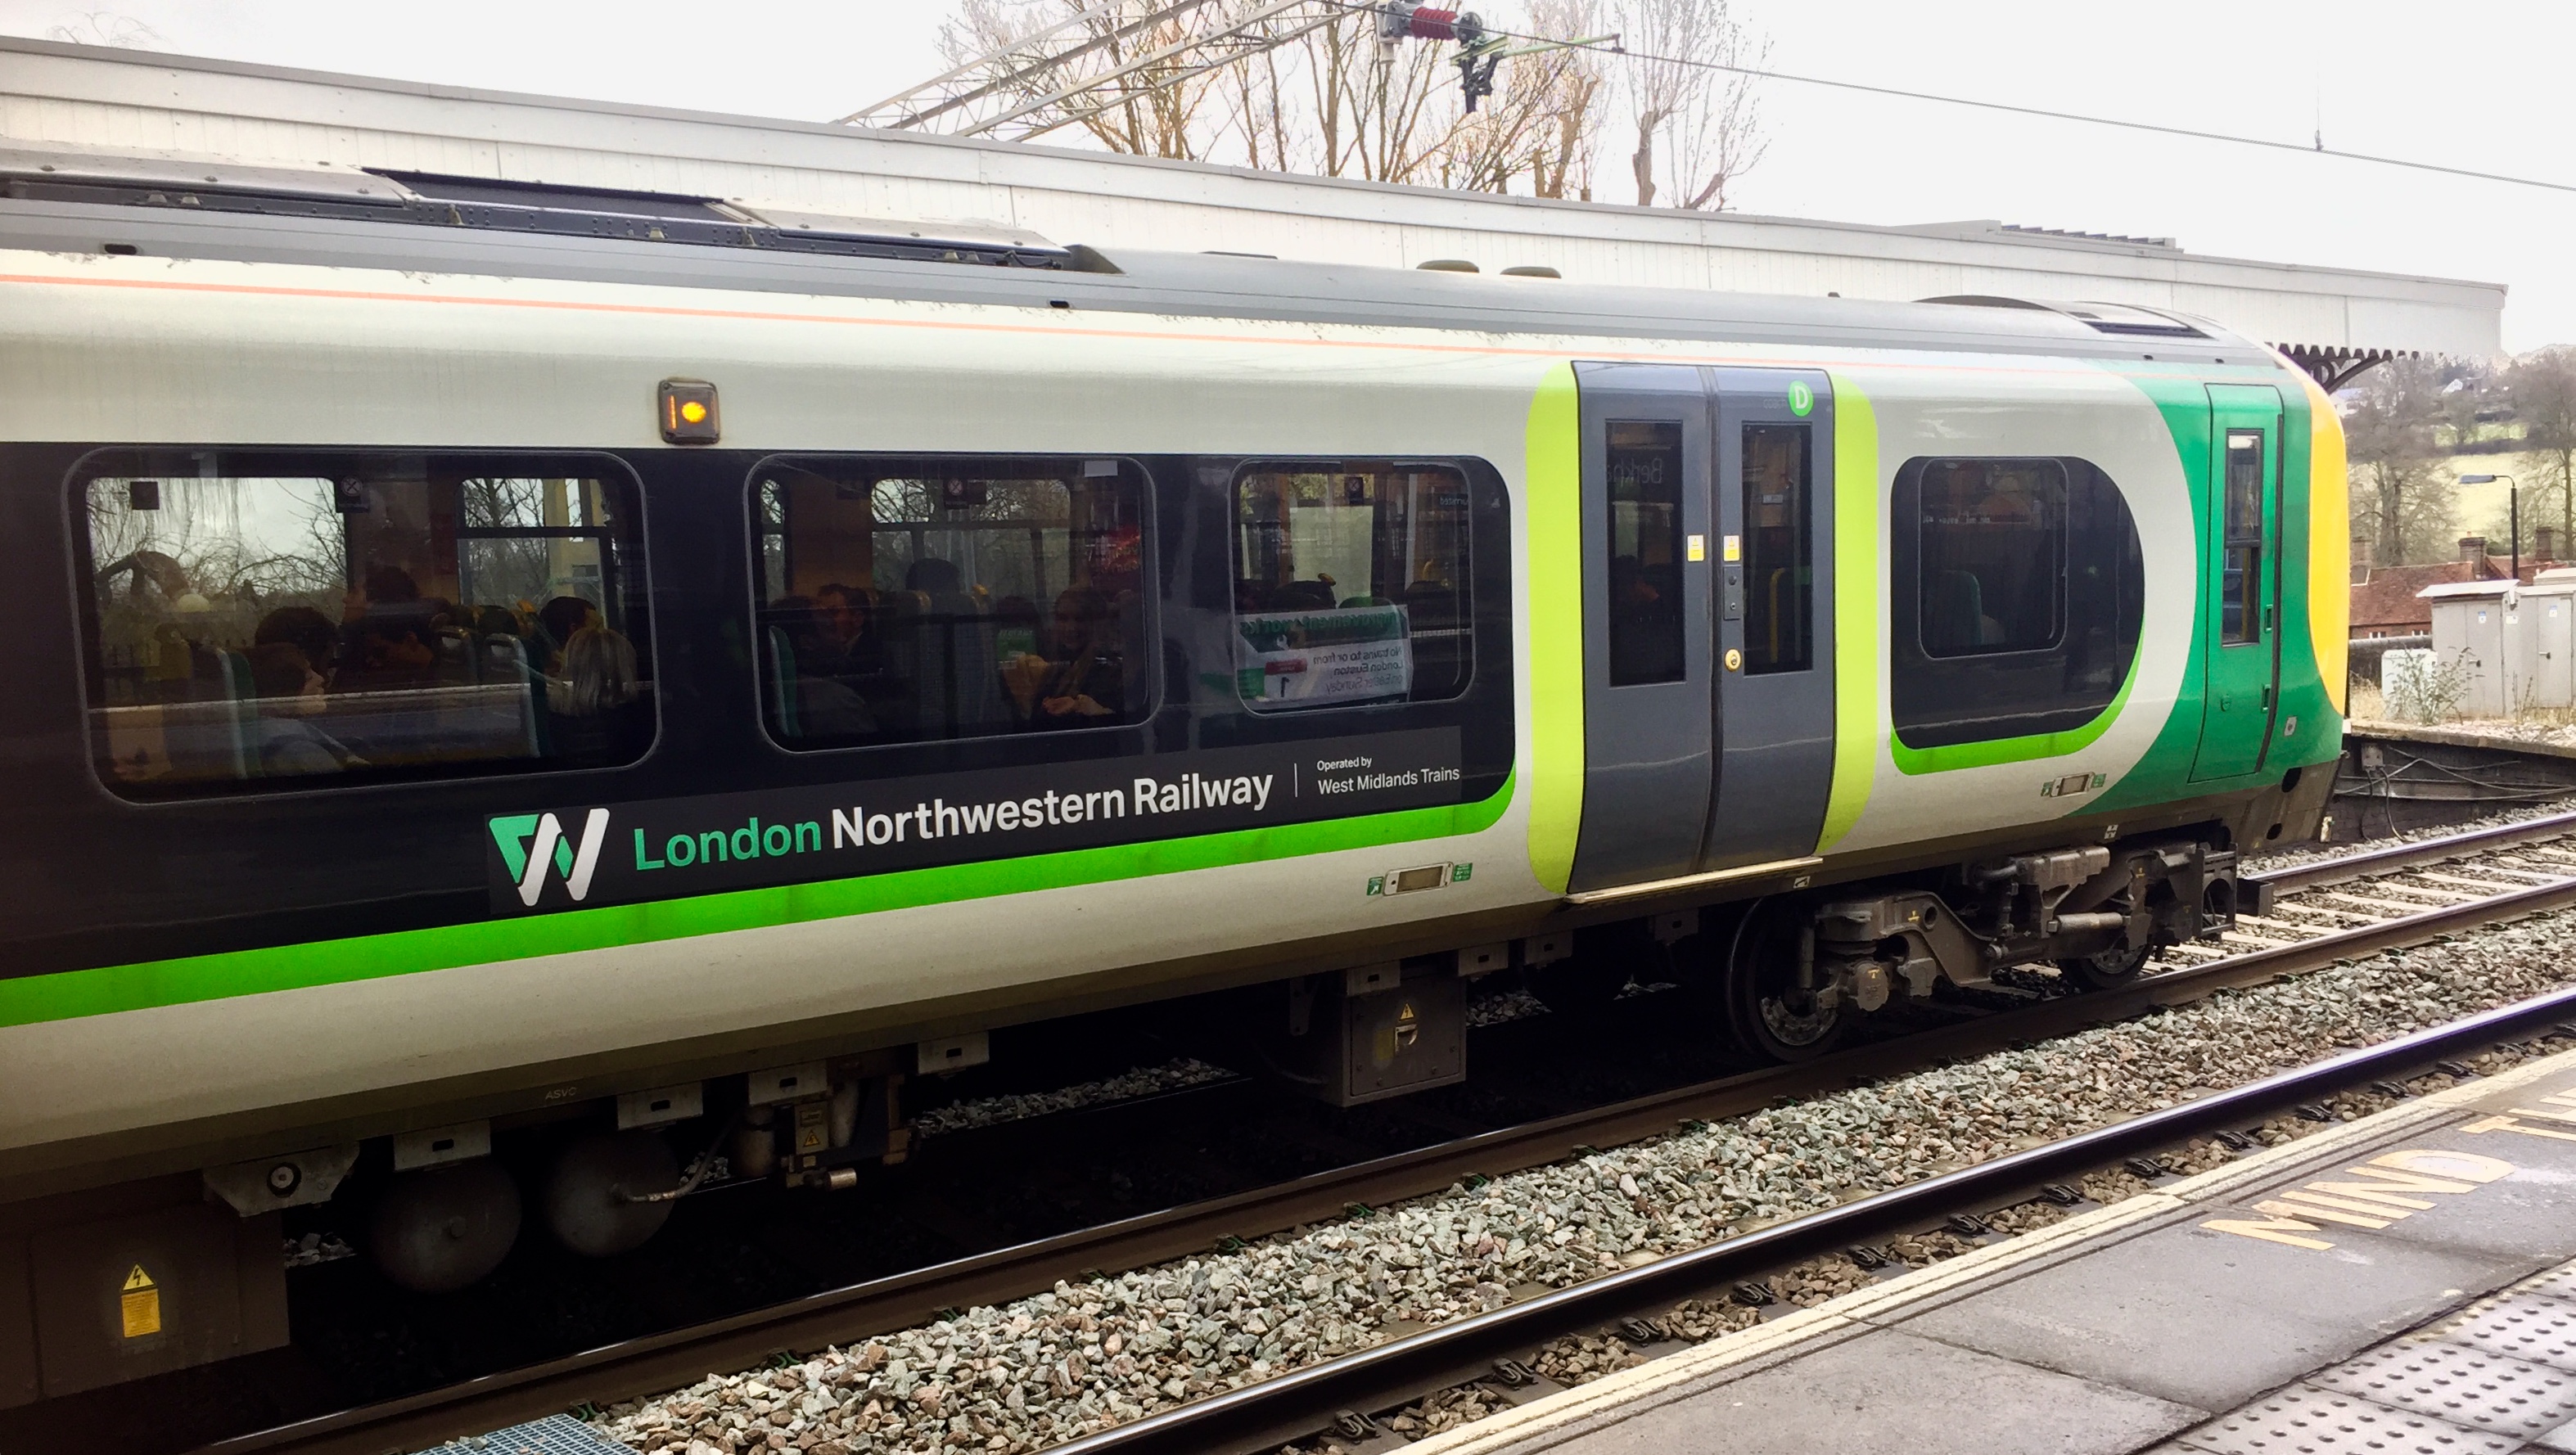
column 2485, row 86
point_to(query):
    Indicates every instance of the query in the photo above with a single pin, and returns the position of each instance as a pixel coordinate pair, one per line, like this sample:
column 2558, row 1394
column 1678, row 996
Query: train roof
column 167, row 205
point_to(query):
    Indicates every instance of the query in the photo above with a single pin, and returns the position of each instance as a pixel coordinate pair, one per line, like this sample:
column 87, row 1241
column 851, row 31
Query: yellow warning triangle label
column 138, row 1279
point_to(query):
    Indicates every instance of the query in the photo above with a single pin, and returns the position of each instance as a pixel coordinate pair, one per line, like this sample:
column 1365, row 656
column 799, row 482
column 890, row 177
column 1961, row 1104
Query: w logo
column 574, row 860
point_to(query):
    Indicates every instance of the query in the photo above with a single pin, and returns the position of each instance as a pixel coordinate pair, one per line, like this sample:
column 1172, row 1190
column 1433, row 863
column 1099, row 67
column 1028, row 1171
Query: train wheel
column 1761, row 984
column 590, row 1193
column 2108, row 970
column 437, row 1230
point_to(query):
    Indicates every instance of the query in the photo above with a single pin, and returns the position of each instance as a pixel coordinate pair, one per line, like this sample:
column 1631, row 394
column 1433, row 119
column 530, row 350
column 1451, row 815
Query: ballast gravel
column 1047, row 1368
column 2266, row 861
column 1810, row 1284
column 987, row 1111
column 1582, row 1358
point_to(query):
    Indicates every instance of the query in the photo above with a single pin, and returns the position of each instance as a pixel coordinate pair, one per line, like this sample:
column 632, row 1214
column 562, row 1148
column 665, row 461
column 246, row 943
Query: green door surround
column 2240, row 652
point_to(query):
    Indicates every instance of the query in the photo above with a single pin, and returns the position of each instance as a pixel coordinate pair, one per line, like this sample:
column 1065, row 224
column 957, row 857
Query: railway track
column 2319, row 914
column 1497, row 1346
column 2385, row 886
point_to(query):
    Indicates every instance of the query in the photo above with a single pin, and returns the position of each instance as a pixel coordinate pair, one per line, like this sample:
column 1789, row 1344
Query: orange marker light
column 688, row 412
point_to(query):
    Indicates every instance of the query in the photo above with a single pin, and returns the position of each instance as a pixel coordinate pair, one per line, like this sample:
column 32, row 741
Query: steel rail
column 1285, row 1407
column 2421, row 852
column 668, row 1360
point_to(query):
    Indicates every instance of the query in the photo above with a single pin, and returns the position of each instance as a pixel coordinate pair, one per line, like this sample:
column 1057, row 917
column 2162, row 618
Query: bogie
column 1801, row 967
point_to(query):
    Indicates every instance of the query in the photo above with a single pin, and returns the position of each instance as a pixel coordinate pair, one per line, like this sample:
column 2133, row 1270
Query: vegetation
column 1311, row 88
column 2413, row 426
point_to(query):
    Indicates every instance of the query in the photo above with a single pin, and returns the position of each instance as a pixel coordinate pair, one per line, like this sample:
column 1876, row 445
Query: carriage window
column 914, row 599
column 281, row 619
column 1645, row 461
column 1350, row 584
column 1993, row 556
column 2016, row 599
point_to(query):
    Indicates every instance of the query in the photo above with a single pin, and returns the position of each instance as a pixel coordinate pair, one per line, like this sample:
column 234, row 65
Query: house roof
column 2389, row 597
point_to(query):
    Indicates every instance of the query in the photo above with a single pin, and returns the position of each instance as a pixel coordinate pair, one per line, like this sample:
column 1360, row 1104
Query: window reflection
column 280, row 617
column 1645, row 617
column 1351, row 584
column 916, row 599
column 1993, row 556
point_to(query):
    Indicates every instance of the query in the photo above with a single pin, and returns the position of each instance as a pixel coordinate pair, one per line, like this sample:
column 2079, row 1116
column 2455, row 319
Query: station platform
column 2402, row 1283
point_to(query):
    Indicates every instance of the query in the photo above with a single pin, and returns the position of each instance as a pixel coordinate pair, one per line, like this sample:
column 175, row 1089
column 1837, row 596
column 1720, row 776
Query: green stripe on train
column 1856, row 619
column 71, row 993
column 1552, row 492
column 1912, row 760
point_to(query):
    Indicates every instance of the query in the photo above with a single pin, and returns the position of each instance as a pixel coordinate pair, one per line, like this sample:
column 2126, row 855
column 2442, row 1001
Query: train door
column 2240, row 580
column 1648, row 690
column 1775, row 647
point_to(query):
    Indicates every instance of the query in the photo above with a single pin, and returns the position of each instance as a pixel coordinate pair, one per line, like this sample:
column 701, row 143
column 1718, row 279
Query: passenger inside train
column 900, row 597
column 1350, row 587
column 1350, row 584
column 260, row 618
column 291, row 694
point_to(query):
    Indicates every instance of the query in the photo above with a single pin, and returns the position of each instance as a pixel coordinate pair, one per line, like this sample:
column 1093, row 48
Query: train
column 505, row 660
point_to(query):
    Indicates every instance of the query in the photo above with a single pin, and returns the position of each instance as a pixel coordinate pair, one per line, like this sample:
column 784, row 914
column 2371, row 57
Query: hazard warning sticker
column 141, row 1302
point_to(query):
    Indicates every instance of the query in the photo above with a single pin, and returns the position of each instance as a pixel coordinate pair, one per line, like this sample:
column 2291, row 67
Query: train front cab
column 1717, row 776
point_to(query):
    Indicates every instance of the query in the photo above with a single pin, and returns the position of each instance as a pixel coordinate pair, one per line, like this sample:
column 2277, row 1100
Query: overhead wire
column 1610, row 47
column 2005, row 107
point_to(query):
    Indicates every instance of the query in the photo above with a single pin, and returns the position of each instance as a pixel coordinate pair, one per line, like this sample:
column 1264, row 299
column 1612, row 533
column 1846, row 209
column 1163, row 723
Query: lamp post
column 2513, row 493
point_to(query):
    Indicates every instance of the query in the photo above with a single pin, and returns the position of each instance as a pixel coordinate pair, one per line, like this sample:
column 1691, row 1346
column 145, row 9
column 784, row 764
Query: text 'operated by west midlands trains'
column 482, row 679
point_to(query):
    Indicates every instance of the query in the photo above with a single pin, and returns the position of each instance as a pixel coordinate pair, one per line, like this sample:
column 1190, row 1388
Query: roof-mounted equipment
column 494, row 204
column 2124, row 319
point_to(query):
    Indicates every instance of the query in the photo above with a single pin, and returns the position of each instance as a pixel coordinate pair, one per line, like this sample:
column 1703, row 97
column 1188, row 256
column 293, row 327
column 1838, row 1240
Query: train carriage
column 494, row 658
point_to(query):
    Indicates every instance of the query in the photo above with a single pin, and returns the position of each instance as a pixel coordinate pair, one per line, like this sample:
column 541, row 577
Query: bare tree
column 2392, row 424
column 1721, row 138
column 1256, row 112
column 1307, row 86
column 1708, row 118
column 107, row 27
column 1577, row 82
column 1376, row 118
column 1137, row 86
column 2540, row 388
column 1543, row 118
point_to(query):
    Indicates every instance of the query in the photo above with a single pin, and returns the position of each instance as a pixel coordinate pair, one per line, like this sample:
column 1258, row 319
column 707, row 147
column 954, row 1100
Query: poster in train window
column 1350, row 584
column 300, row 619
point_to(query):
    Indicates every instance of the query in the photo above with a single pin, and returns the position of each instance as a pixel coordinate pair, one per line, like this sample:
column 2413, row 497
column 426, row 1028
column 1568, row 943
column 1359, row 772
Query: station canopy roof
column 835, row 187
